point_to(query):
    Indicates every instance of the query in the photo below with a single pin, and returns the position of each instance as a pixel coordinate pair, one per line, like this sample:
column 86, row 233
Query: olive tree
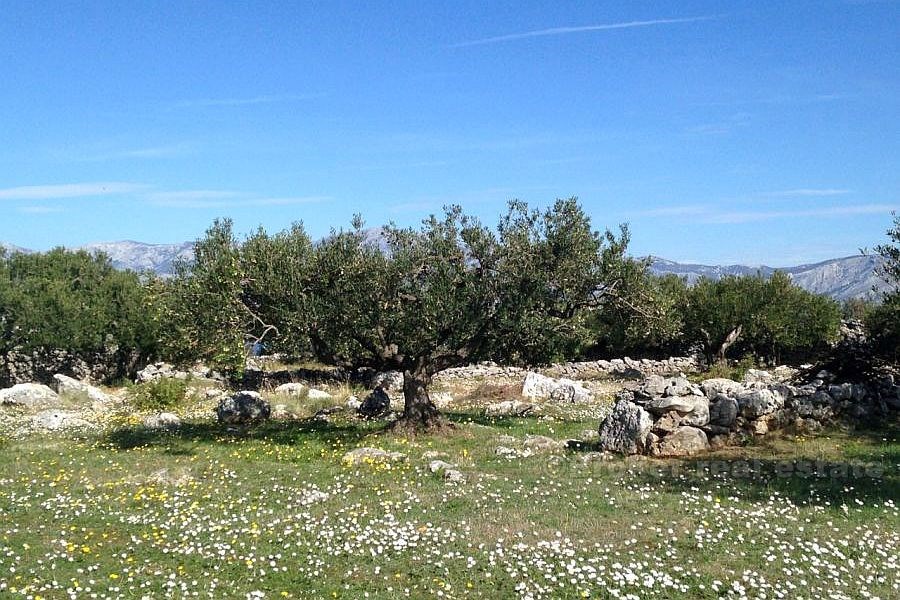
column 883, row 321
column 455, row 291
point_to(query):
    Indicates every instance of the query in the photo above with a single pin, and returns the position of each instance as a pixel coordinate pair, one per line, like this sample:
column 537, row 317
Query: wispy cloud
column 709, row 213
column 674, row 211
column 69, row 190
column 830, row 211
column 553, row 31
column 39, row 210
column 149, row 152
column 249, row 101
column 810, row 192
column 224, row 199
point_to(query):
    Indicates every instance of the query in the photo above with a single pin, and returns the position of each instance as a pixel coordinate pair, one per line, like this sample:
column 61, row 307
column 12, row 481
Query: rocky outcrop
column 243, row 408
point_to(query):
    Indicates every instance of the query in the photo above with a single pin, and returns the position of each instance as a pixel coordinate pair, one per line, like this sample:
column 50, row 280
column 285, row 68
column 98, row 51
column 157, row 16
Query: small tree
column 455, row 292
column 772, row 319
column 883, row 321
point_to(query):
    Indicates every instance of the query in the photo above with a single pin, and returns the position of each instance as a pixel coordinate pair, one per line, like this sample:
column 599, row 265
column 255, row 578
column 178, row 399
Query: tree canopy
column 455, row 291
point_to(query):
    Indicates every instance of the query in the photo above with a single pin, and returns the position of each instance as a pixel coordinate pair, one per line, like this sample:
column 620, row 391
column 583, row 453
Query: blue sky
column 721, row 132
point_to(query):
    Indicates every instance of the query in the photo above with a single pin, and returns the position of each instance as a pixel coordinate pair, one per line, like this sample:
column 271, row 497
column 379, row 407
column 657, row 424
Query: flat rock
column 314, row 394
column 365, row 455
column 719, row 385
column 163, row 420
column 30, row 396
column 508, row 408
column 291, row 389
column 58, row 420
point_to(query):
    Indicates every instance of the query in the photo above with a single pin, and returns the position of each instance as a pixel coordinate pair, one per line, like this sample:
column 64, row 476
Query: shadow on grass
column 279, row 432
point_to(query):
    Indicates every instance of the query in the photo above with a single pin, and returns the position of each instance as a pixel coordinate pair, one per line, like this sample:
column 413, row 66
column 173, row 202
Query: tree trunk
column 419, row 412
column 730, row 339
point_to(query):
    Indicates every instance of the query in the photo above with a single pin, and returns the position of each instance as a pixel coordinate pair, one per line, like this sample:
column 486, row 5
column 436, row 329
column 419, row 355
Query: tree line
column 540, row 286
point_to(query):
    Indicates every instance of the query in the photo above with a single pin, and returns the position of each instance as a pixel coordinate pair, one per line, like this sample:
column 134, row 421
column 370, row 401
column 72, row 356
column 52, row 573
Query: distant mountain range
column 839, row 278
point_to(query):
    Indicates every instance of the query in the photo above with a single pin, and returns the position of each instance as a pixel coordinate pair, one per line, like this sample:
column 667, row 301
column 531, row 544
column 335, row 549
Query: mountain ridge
column 840, row 278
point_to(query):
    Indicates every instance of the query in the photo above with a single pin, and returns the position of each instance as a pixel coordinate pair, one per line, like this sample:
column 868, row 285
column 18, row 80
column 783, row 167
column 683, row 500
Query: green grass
column 132, row 513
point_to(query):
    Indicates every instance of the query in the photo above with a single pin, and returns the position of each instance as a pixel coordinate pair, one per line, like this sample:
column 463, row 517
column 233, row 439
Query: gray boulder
column 67, row 386
column 759, row 402
column 684, row 441
column 695, row 409
column 243, row 408
column 30, row 396
column 723, row 410
column 537, row 386
column 59, row 420
column 163, row 420
column 719, row 385
column 626, row 428
column 377, row 404
column 291, row 389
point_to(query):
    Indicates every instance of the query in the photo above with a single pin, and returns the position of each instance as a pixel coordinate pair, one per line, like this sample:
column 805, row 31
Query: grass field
column 275, row 512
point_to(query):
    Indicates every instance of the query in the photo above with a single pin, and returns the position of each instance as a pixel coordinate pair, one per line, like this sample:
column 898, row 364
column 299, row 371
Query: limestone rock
column 31, row 396
column 508, row 408
column 372, row 455
column 537, row 386
column 243, row 408
column 723, row 410
column 58, row 420
column 314, row 394
column 67, row 386
column 377, row 404
column 713, row 387
column 626, row 428
column 290, row 389
column 163, row 420
column 539, row 444
column 684, row 441
column 759, row 402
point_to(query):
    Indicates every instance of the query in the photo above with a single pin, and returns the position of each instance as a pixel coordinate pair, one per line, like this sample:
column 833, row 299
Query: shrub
column 159, row 394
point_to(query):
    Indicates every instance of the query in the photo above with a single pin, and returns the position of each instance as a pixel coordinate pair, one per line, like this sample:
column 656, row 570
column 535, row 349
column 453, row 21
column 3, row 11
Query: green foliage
column 773, row 318
column 654, row 328
column 159, row 394
column 734, row 371
column 71, row 300
column 455, row 291
column 234, row 295
column 883, row 321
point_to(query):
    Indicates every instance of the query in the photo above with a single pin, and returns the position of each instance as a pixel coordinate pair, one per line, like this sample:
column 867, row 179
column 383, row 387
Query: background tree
column 772, row 319
column 883, row 321
column 655, row 328
column 74, row 301
column 455, row 292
